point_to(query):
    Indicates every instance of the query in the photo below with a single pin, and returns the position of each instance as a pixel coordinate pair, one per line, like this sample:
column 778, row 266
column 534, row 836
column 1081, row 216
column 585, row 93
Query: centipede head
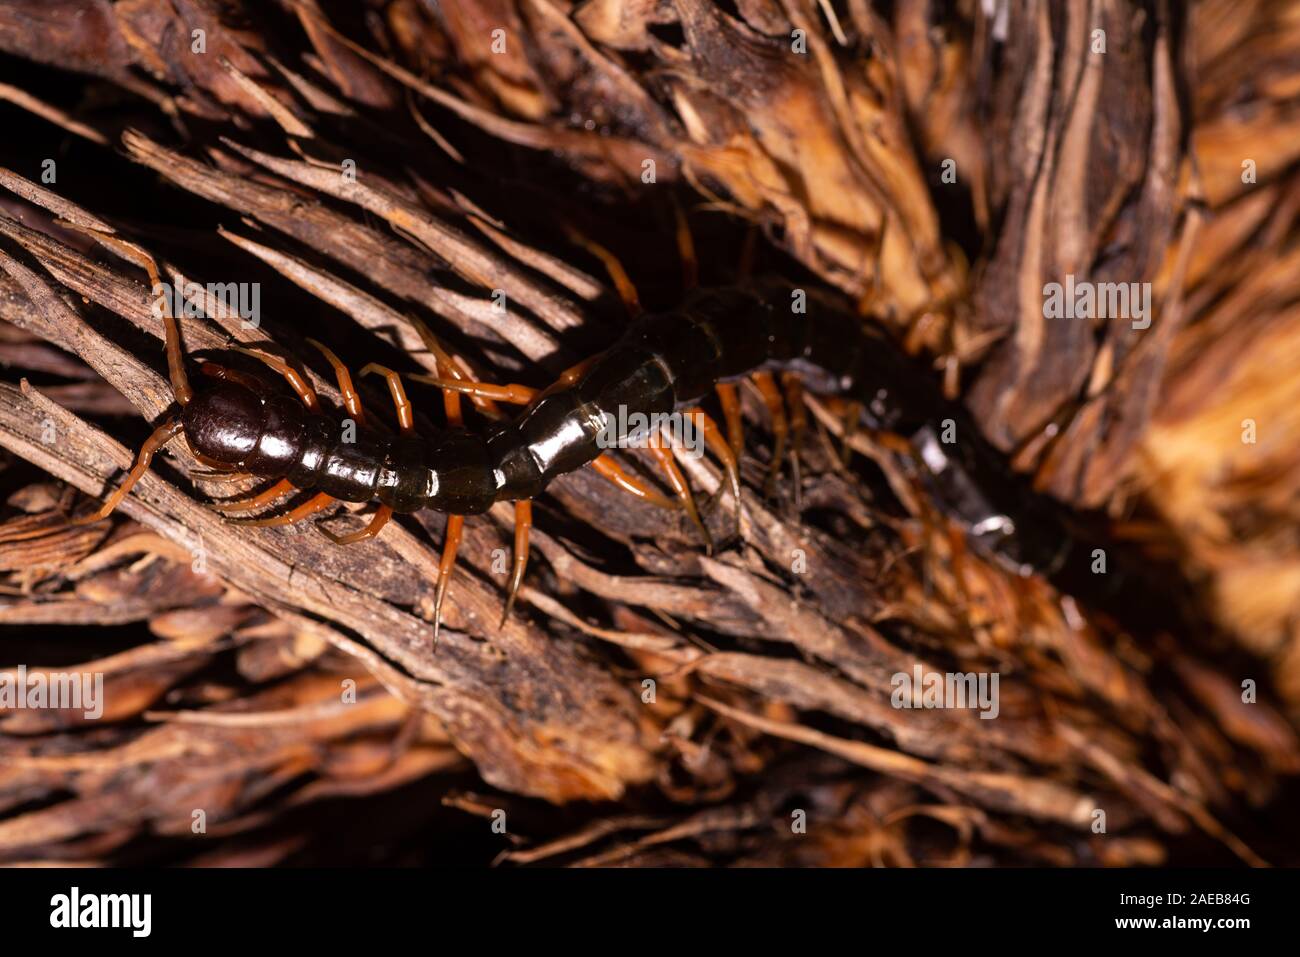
column 224, row 423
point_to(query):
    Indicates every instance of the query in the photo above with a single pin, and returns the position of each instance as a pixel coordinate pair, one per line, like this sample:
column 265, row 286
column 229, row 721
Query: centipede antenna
column 129, row 251
column 523, row 522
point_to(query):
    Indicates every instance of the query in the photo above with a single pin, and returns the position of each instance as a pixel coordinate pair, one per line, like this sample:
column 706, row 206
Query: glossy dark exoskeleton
column 662, row 362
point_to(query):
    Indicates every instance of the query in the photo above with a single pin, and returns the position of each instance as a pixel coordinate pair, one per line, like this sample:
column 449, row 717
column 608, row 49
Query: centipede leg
column 722, row 449
column 351, row 398
column 301, row 387
column 377, row 522
column 513, row 394
column 686, row 248
column 575, row 372
column 160, row 437
column 798, row 425
column 230, row 506
column 780, row 426
column 730, row 401
column 682, row 490
column 523, row 523
column 227, row 374
column 218, row 477
column 450, row 545
column 306, row 509
column 618, row 275
column 405, row 414
column 455, row 523
column 451, row 366
column 609, row 469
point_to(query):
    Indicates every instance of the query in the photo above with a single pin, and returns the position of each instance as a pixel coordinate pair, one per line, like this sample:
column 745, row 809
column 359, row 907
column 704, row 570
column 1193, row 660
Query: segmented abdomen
column 671, row 360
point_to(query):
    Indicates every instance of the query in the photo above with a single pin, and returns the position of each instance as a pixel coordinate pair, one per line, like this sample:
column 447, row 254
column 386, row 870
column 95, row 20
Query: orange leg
column 776, row 409
column 220, row 478
column 380, row 519
column 226, row 374
column 230, row 506
column 160, row 437
column 798, row 424
column 617, row 274
column 677, row 482
column 450, row 545
column 572, row 374
column 351, row 398
column 609, row 469
column 451, row 408
column 686, row 248
column 306, row 509
column 455, row 523
column 513, row 394
column 730, row 400
column 291, row 375
column 721, row 448
column 405, row 415
column 523, row 523
column 451, row 366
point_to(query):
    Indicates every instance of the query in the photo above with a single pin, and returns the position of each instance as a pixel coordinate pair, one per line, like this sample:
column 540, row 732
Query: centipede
column 763, row 331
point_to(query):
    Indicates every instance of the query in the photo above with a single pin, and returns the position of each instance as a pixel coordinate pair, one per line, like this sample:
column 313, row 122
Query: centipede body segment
column 662, row 363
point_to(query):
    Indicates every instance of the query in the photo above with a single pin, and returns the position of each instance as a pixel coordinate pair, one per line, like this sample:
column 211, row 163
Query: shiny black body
column 661, row 363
